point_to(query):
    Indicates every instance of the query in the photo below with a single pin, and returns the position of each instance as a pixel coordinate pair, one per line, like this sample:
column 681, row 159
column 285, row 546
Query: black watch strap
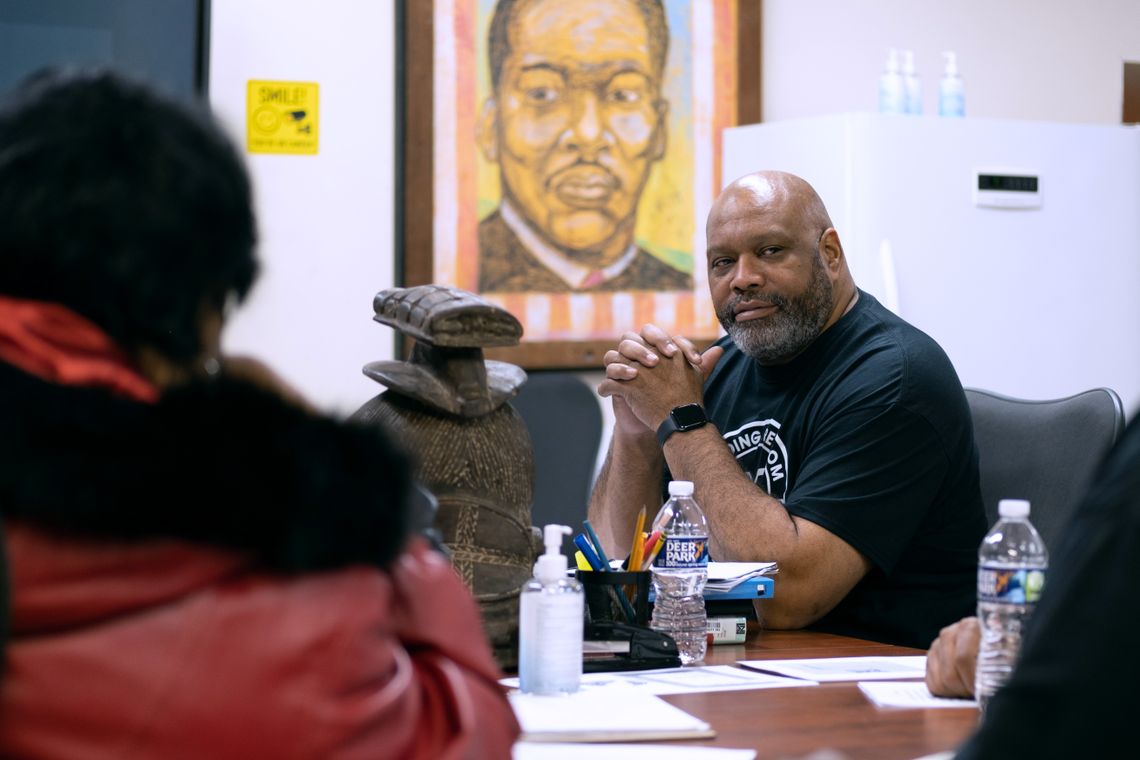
column 682, row 418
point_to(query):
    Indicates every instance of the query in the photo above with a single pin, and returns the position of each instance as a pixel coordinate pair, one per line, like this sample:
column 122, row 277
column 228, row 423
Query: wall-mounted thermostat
column 1007, row 189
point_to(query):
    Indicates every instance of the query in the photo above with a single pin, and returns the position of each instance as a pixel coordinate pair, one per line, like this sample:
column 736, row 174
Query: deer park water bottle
column 1011, row 575
column 680, row 572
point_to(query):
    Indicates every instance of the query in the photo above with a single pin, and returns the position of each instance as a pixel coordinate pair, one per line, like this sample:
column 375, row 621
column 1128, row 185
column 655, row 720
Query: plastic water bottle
column 1011, row 575
column 680, row 571
column 551, row 619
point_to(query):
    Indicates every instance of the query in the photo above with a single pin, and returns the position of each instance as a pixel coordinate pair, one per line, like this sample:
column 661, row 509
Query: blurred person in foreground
column 1072, row 690
column 200, row 565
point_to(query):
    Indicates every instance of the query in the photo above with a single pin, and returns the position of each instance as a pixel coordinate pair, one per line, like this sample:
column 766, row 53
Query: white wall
column 1051, row 60
column 326, row 220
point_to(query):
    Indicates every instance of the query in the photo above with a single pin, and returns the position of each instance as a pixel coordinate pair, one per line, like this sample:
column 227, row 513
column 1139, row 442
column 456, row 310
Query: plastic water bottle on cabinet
column 1012, row 562
column 680, row 572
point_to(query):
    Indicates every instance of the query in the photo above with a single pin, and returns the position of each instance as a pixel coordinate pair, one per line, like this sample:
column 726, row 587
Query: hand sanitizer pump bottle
column 551, row 619
column 912, row 87
column 951, row 91
column 891, row 99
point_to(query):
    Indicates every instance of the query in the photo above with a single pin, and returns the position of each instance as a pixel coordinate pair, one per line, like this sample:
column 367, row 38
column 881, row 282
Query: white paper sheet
column 827, row 669
column 548, row 751
column 725, row 576
column 908, row 694
column 683, row 680
column 599, row 715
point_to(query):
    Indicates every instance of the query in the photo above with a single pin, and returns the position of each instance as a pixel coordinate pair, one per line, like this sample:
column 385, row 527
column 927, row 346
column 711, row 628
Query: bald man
column 823, row 432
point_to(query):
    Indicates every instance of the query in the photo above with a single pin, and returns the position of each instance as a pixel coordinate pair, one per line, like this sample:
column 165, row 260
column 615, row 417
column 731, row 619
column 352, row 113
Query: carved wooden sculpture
column 448, row 405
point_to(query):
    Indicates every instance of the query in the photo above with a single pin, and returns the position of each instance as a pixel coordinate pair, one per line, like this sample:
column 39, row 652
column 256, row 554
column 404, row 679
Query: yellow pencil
column 634, row 563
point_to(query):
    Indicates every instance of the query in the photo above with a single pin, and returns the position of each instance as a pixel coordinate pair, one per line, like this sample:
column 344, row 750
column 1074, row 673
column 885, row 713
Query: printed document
column 826, row 669
column 725, row 576
column 908, row 694
column 682, row 680
column 604, row 715
column 531, row 751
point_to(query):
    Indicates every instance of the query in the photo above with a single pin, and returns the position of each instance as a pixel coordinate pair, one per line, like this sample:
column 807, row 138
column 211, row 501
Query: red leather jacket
column 172, row 650
column 214, row 572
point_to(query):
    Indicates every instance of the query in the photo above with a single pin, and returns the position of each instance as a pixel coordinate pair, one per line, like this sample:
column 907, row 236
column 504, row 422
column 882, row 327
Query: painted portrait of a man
column 575, row 122
column 575, row 150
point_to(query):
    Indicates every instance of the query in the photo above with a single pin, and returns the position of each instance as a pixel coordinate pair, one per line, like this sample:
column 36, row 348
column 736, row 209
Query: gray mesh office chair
column 1043, row 451
column 562, row 415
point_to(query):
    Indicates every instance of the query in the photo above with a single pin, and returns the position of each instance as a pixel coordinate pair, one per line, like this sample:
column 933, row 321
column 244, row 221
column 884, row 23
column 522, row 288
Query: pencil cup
column 602, row 596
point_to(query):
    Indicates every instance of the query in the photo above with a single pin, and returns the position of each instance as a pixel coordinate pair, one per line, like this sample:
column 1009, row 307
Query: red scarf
column 54, row 343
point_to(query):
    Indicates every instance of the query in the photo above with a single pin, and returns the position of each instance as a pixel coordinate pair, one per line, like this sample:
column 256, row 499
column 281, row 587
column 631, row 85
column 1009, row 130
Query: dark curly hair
column 128, row 206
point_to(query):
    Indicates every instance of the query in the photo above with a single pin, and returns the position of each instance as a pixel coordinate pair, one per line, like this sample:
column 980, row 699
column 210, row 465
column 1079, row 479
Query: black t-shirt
column 1073, row 690
column 868, row 434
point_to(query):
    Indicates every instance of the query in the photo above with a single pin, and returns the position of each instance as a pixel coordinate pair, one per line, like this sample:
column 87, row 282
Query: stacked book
column 729, row 592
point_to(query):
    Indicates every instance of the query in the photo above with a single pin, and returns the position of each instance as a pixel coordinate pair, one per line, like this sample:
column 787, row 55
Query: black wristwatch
column 682, row 418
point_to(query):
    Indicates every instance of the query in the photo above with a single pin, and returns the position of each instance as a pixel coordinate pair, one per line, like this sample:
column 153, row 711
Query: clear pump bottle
column 951, row 90
column 912, row 87
column 891, row 96
column 551, row 619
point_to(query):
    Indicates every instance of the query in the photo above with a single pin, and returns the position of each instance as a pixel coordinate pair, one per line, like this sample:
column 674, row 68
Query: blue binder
column 757, row 587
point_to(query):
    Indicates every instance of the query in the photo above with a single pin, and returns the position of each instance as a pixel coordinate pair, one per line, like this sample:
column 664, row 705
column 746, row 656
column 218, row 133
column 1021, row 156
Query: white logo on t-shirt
column 762, row 455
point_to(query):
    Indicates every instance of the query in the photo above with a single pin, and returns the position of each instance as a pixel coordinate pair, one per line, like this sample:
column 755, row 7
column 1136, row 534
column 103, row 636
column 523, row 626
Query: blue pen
column 597, row 544
column 588, row 552
column 595, row 562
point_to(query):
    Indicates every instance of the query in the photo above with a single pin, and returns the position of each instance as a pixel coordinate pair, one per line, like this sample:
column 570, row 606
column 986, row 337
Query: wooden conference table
column 794, row 722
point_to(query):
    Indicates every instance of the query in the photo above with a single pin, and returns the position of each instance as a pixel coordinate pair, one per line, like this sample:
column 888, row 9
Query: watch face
column 689, row 415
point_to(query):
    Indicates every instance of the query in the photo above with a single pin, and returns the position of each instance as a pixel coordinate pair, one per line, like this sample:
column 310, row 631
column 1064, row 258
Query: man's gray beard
column 795, row 325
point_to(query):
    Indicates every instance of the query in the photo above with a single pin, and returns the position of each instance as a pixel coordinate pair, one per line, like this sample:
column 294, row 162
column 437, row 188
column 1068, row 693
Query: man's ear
column 487, row 132
column 661, row 135
column 831, row 249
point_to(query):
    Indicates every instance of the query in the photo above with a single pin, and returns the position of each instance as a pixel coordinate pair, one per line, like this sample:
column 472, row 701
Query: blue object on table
column 588, row 552
column 595, row 562
column 596, row 543
column 758, row 587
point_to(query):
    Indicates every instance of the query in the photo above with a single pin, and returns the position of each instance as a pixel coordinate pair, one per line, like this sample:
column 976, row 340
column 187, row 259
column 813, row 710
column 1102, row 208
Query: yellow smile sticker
column 281, row 117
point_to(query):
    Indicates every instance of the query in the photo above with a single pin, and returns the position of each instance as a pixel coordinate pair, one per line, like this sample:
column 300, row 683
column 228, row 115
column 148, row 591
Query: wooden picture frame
column 557, row 338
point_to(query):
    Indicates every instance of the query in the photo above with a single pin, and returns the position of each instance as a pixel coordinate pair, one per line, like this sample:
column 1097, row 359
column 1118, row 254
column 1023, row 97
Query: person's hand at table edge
column 953, row 659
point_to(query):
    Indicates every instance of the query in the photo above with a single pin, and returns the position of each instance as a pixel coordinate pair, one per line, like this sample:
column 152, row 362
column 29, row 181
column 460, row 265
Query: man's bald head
column 797, row 201
column 777, row 274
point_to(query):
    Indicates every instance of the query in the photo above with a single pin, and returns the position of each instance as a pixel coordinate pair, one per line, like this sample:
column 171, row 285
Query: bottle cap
column 892, row 61
column 680, row 488
column 1013, row 508
column 951, row 63
column 908, row 61
column 552, row 565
